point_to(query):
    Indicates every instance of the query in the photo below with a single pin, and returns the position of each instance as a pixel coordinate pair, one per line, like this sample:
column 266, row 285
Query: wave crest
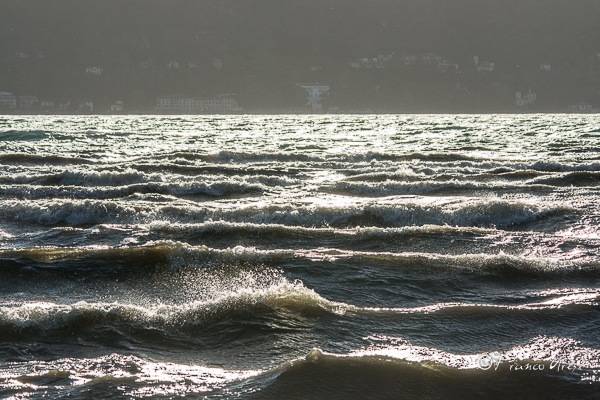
column 177, row 254
column 388, row 188
column 577, row 178
column 480, row 213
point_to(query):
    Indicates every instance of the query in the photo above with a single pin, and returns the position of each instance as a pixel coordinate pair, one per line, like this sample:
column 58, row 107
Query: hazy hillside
column 261, row 49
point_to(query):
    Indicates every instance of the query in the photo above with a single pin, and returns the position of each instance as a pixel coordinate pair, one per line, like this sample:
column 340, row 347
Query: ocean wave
column 69, row 212
column 186, row 188
column 86, row 377
column 176, row 254
column 540, row 349
column 388, row 188
column 216, row 228
column 150, row 255
column 475, row 213
column 130, row 177
column 416, row 173
column 226, row 156
column 220, row 169
column 405, row 174
column 415, row 372
column 415, row 156
column 280, row 295
column 397, row 370
column 553, row 166
column 510, row 174
column 24, row 135
column 25, row 158
column 577, row 178
column 83, row 178
column 77, row 316
column 478, row 213
column 400, row 371
column 240, row 156
column 482, row 263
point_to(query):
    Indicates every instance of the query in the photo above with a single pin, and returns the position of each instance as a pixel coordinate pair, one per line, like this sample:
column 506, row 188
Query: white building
column 525, row 99
column 28, row 103
column 378, row 62
column 86, row 107
column 483, row 66
column 173, row 64
column 66, row 106
column 582, row 108
column 409, row 60
column 221, row 104
column 8, row 101
column 47, row 105
column 486, row 66
column 176, row 105
column 314, row 96
column 431, row 59
column 445, row 66
column 94, row 70
column 217, row 63
column 117, row 107
column 546, row 67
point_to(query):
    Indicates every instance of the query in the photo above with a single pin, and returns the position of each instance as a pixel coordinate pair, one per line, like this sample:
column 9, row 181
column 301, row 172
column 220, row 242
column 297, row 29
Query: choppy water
column 284, row 257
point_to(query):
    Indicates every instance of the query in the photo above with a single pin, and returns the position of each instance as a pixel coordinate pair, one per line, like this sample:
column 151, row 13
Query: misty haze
column 231, row 56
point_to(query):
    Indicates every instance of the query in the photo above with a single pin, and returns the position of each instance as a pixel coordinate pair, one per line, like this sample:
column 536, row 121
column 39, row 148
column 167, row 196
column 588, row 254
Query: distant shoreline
column 133, row 114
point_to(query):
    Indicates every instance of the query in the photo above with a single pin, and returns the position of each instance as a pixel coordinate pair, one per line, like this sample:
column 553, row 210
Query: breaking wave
column 280, row 295
column 174, row 254
column 219, row 169
column 24, row 158
column 415, row 372
column 392, row 370
column 83, row 178
column 189, row 188
column 287, row 231
column 498, row 213
column 550, row 166
column 129, row 178
column 239, row 156
column 487, row 213
column 404, row 174
column 48, row 316
column 97, row 377
column 225, row 156
column 432, row 156
column 491, row 213
column 24, row 135
column 388, row 188
column 578, row 178
column 84, row 212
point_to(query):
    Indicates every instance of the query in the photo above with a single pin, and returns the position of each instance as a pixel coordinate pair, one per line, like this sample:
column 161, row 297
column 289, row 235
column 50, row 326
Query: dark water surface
column 288, row 257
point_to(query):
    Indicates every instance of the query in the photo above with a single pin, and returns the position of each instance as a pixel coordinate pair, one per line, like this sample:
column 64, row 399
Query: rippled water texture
column 300, row 257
